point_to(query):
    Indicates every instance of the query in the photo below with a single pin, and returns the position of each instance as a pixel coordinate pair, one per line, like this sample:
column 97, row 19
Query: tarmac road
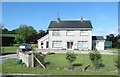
column 6, row 57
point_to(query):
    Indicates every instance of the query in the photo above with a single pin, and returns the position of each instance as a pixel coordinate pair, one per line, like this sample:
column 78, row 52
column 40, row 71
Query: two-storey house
column 75, row 34
column 70, row 35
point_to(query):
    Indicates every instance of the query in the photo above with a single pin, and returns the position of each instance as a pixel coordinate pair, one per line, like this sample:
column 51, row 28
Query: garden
column 67, row 64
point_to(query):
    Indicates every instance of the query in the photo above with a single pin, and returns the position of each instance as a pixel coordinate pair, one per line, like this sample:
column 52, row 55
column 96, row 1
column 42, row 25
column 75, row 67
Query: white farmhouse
column 70, row 35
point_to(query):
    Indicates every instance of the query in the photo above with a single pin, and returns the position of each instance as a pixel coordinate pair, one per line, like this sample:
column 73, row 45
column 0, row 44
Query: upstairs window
column 83, row 33
column 70, row 33
column 56, row 32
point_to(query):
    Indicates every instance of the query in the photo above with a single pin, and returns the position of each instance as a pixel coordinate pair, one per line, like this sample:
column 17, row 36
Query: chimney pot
column 81, row 19
column 58, row 19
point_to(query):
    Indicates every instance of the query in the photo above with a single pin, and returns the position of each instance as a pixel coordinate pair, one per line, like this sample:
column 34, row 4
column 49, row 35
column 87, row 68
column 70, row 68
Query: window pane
column 55, row 33
column 69, row 33
column 82, row 44
column 57, row 44
column 83, row 33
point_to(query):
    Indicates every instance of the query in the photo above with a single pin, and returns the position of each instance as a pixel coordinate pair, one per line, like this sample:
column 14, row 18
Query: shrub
column 117, row 62
column 40, row 57
column 76, row 64
column 96, row 60
column 71, row 57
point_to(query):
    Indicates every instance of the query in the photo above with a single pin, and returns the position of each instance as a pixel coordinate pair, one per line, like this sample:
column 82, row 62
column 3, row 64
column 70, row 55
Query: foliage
column 24, row 34
column 117, row 62
column 35, row 37
column 71, row 57
column 115, row 40
column 6, row 31
column 95, row 58
column 24, row 31
column 18, row 39
column 40, row 57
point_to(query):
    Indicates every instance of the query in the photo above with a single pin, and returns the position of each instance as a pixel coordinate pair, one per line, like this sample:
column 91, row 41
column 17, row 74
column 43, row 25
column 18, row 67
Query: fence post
column 2, row 50
column 32, row 60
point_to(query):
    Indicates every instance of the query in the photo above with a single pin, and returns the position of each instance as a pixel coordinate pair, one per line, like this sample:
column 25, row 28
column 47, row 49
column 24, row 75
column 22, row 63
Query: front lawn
column 58, row 62
column 7, row 49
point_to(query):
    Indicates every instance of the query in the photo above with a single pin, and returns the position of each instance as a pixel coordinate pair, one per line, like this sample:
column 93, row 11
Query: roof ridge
column 70, row 20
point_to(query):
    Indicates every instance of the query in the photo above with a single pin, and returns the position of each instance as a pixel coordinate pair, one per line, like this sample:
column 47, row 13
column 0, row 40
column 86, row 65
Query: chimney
column 81, row 19
column 58, row 20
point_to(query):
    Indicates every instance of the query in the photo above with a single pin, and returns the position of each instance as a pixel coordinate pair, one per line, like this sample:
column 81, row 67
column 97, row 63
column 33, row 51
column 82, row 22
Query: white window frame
column 70, row 33
column 57, row 44
column 56, row 32
column 83, row 33
column 83, row 44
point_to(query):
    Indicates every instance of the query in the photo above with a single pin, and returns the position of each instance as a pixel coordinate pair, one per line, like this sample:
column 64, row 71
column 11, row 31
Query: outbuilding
column 98, row 42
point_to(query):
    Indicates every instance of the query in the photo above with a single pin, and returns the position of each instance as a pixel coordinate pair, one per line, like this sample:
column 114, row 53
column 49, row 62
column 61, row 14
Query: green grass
column 7, row 49
column 112, row 49
column 107, row 60
column 0, row 68
column 58, row 60
column 13, row 35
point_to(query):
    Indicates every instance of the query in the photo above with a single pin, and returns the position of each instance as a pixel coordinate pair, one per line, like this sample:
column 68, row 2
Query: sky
column 103, row 15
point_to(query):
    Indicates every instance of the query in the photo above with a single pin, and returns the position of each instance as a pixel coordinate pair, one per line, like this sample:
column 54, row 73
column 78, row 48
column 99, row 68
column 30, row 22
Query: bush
column 117, row 62
column 76, row 64
column 95, row 58
column 71, row 57
column 40, row 57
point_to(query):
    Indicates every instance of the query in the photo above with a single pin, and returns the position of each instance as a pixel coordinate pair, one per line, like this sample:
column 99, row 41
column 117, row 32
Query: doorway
column 69, row 45
column 47, row 44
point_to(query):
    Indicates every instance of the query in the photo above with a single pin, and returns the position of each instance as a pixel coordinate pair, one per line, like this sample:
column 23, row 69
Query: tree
column 24, row 32
column 96, row 60
column 70, row 57
column 1, row 26
column 41, row 31
column 35, row 37
column 115, row 40
column 5, row 30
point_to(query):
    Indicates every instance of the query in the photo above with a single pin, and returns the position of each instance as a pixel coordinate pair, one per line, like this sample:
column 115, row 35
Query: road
column 6, row 57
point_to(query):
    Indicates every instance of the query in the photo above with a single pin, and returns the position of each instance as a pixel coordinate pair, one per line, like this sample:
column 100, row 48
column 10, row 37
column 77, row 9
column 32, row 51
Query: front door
column 47, row 44
column 69, row 45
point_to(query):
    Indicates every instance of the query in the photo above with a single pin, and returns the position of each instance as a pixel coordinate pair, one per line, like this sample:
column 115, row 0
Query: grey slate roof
column 98, row 38
column 70, row 24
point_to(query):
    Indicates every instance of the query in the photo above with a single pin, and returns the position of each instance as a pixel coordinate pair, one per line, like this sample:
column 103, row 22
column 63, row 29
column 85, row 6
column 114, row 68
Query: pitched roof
column 98, row 38
column 70, row 24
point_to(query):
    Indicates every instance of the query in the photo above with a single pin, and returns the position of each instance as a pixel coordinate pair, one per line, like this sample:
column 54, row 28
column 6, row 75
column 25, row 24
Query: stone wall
column 27, row 58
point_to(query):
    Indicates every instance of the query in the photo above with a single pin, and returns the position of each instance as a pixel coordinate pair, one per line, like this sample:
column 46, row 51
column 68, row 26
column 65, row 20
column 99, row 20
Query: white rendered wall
column 75, row 38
